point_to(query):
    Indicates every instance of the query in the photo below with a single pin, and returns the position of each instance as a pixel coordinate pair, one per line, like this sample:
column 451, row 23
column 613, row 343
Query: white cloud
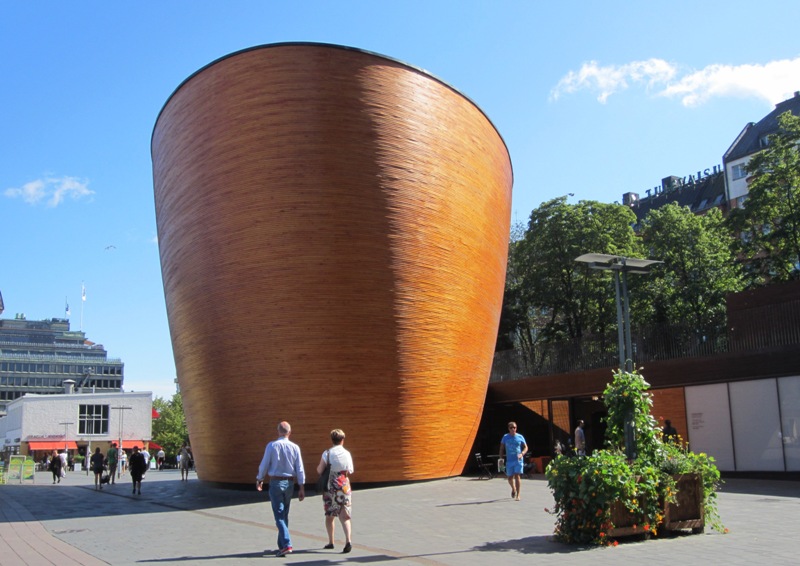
column 772, row 82
column 51, row 190
column 612, row 79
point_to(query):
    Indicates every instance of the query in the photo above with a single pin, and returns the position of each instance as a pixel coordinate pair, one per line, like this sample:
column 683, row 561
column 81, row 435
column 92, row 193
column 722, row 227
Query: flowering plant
column 586, row 488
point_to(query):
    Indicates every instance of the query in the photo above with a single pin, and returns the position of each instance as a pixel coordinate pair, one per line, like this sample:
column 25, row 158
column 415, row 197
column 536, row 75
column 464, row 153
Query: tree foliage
column 698, row 270
column 770, row 220
column 561, row 298
column 169, row 429
column 550, row 297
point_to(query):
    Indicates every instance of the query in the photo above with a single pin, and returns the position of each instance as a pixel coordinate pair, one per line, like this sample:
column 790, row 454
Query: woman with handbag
column 336, row 498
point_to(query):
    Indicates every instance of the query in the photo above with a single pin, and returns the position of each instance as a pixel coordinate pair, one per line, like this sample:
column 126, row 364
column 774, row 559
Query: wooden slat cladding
column 764, row 317
column 333, row 229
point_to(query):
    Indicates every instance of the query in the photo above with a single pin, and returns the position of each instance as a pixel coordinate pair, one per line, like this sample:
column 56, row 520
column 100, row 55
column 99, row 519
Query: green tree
column 564, row 299
column 548, row 295
column 169, row 429
column 769, row 223
column 699, row 268
column 515, row 320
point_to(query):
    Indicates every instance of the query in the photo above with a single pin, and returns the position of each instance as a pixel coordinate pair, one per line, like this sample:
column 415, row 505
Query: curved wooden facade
column 333, row 229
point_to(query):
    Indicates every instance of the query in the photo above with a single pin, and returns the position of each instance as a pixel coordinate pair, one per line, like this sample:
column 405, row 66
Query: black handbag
column 325, row 477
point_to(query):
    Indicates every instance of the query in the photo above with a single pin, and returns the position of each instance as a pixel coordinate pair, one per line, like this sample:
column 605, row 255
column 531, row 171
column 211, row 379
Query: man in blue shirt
column 513, row 448
column 282, row 464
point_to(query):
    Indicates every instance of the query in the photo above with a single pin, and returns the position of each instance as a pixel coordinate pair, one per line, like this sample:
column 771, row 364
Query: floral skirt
column 336, row 499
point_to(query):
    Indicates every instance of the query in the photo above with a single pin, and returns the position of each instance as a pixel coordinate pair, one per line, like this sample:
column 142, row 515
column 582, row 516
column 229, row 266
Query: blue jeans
column 280, row 495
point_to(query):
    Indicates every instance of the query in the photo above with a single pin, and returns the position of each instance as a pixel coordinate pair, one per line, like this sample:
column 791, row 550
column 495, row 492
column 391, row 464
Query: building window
column 739, row 170
column 93, row 419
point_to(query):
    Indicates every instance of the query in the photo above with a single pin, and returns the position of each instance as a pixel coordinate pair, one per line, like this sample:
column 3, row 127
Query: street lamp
column 622, row 265
column 65, row 434
column 120, row 408
column 66, row 448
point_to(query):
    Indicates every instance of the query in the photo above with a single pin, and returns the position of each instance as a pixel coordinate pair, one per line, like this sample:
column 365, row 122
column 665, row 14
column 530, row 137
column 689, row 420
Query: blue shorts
column 513, row 467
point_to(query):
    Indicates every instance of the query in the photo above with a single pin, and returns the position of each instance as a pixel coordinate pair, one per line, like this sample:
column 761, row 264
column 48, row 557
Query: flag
column 83, row 292
column 66, row 307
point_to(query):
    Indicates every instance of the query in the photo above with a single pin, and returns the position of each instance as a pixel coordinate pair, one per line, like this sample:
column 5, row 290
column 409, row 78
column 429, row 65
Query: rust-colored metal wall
column 333, row 229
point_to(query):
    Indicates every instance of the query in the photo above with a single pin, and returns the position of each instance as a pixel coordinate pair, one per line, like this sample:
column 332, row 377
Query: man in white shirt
column 281, row 465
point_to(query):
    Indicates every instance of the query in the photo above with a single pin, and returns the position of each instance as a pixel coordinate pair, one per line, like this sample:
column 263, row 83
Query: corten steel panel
column 333, row 229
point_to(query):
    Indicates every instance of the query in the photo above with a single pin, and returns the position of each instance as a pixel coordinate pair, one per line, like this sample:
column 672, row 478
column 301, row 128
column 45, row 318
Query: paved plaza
column 459, row 521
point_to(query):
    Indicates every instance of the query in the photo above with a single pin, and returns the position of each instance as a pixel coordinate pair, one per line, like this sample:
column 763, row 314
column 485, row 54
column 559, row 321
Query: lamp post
column 65, row 434
column 66, row 448
column 121, row 409
column 620, row 266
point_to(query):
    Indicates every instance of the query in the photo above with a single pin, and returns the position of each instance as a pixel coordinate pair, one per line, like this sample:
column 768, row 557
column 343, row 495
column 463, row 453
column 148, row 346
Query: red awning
column 129, row 444
column 51, row 445
column 154, row 446
column 156, row 414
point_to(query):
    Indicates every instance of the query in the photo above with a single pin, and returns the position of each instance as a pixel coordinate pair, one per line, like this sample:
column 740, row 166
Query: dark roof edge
column 737, row 140
column 334, row 46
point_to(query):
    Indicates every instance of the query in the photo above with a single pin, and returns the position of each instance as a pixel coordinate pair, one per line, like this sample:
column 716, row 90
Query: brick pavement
column 459, row 521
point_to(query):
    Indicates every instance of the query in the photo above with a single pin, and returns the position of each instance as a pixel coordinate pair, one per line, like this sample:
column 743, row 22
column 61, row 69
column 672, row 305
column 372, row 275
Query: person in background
column 669, row 433
column 97, row 463
column 112, row 457
column 336, row 499
column 160, row 456
column 513, row 448
column 123, row 461
column 64, row 459
column 580, row 439
column 146, row 455
column 137, row 466
column 184, row 461
column 55, row 467
column 282, row 465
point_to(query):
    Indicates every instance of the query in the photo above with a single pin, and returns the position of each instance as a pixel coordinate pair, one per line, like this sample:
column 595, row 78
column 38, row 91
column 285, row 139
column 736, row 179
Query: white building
column 80, row 422
column 751, row 140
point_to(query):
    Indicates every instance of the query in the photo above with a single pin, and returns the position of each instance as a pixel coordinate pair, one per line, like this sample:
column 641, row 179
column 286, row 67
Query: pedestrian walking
column 184, row 461
column 281, row 466
column 137, row 465
column 55, row 467
column 513, row 448
column 112, row 457
column 97, row 464
column 336, row 499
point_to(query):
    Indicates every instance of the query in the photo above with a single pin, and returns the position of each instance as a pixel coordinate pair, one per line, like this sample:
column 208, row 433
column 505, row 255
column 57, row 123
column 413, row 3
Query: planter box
column 688, row 511
column 625, row 523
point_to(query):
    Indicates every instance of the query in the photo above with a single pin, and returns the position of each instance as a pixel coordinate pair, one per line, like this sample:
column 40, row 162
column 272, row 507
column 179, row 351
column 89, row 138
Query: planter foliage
column 604, row 495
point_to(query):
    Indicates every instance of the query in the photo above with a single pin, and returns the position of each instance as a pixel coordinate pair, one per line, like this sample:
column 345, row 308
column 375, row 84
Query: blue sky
column 592, row 98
